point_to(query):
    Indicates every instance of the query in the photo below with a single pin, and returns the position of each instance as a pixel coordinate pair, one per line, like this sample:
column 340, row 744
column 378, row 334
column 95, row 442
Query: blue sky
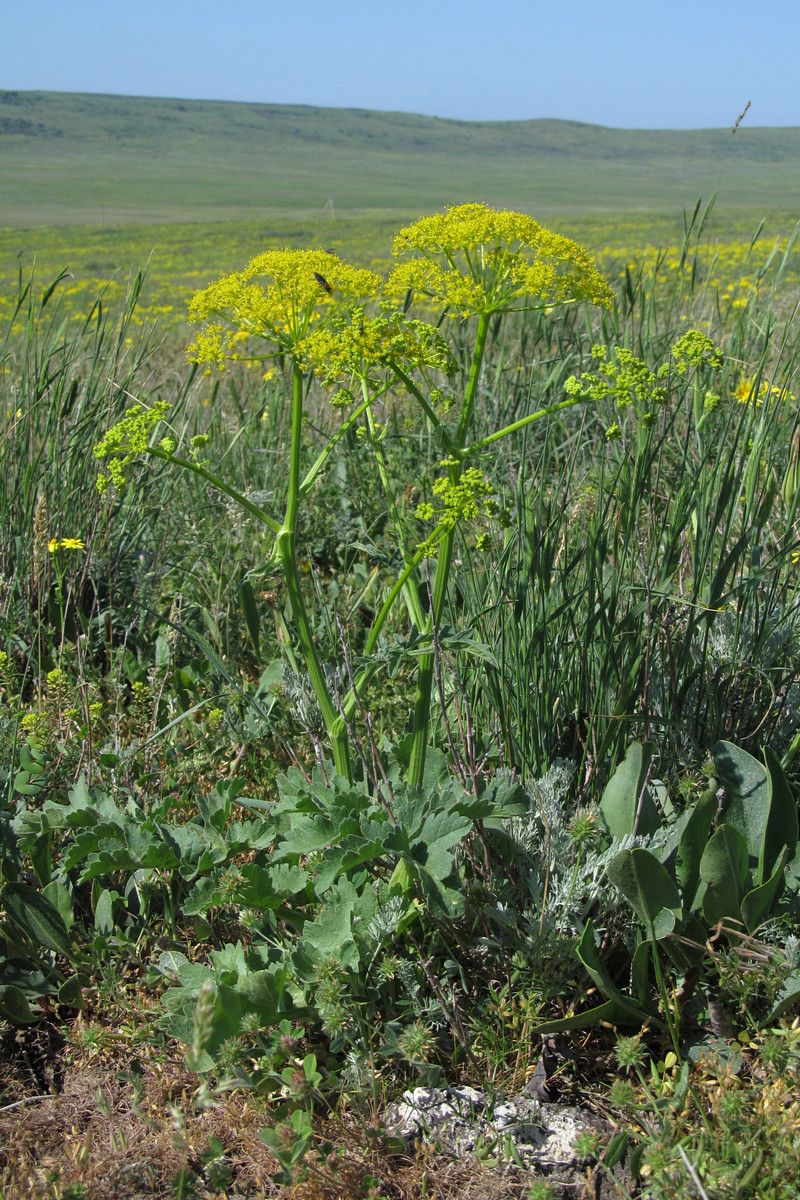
column 629, row 63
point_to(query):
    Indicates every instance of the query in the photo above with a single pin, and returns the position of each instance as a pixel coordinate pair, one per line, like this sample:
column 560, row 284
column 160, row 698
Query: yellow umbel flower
column 474, row 259
column 359, row 348
column 276, row 298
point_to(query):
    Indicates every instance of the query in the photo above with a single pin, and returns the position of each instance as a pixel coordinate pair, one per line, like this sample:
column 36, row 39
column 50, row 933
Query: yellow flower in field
column 52, row 545
column 474, row 259
column 277, row 298
column 65, row 544
column 745, row 392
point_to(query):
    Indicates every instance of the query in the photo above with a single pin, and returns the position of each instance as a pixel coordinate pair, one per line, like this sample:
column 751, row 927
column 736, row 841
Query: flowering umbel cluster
column 277, row 299
column 126, row 440
column 357, row 348
column 466, row 499
column 474, row 259
column 621, row 377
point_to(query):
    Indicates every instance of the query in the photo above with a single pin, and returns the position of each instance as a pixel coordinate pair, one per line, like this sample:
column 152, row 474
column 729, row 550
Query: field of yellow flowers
column 736, row 253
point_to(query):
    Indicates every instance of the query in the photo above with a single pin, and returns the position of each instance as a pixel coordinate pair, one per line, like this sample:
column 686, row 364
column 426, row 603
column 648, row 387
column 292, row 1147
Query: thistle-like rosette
column 276, row 299
column 475, row 260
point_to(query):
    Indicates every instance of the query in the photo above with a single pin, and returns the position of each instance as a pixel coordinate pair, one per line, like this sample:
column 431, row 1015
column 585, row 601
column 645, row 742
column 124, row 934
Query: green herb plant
column 718, row 868
column 343, row 326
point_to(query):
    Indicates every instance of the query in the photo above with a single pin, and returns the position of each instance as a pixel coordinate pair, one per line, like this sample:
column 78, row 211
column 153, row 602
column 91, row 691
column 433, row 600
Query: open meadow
column 400, row 666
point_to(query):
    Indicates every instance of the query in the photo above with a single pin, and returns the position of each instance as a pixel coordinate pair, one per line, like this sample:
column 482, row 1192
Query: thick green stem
column 422, row 700
column 521, row 423
column 217, row 483
column 415, row 609
column 361, row 681
column 286, row 554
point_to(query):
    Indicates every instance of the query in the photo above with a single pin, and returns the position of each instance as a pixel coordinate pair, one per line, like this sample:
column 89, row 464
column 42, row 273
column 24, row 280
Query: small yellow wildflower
column 65, row 544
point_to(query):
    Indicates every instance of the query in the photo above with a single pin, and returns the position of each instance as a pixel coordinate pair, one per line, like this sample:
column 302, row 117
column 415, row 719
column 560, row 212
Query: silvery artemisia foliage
column 566, row 881
column 303, row 703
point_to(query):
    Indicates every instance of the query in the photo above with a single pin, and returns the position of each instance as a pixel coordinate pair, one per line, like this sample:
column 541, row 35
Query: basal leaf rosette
column 358, row 349
column 277, row 299
column 477, row 260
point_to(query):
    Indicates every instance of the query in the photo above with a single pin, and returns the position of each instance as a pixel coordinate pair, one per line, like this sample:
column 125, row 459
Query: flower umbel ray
column 475, row 259
column 277, row 298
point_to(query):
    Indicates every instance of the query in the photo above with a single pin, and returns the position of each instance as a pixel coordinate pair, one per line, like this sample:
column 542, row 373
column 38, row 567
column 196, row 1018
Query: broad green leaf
column 748, row 788
column 71, row 993
column 268, row 887
column 609, row 1013
column 626, row 1008
column 24, row 974
column 403, row 877
column 350, row 853
column 782, row 820
column 724, row 870
column 58, row 894
column 14, row 1006
column 694, row 840
column 104, row 913
column 263, row 991
column 758, row 904
column 171, row 962
column 441, row 901
column 330, row 933
column 626, row 793
column 648, row 888
column 37, row 917
column 204, row 895
column 41, row 853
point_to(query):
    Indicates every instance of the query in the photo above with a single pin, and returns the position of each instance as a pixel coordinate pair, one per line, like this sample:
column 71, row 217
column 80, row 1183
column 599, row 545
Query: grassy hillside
column 89, row 159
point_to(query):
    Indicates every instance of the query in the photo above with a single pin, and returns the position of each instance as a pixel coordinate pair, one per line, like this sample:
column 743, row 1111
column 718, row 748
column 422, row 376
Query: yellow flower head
column 276, row 298
column 746, row 393
column 65, row 544
column 477, row 260
column 344, row 351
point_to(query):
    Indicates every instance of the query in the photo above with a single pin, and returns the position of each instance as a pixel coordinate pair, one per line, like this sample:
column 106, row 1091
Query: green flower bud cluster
column 126, row 440
column 621, row 377
column 466, row 499
column 695, row 349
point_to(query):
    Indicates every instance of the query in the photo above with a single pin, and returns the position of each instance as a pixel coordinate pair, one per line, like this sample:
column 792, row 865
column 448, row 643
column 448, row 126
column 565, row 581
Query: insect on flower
column 322, row 281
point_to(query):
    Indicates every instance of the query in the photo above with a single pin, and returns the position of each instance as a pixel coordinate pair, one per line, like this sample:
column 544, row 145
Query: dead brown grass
column 125, row 1124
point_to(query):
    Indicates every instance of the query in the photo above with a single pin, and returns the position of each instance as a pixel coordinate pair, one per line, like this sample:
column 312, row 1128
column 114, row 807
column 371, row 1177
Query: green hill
column 89, row 159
